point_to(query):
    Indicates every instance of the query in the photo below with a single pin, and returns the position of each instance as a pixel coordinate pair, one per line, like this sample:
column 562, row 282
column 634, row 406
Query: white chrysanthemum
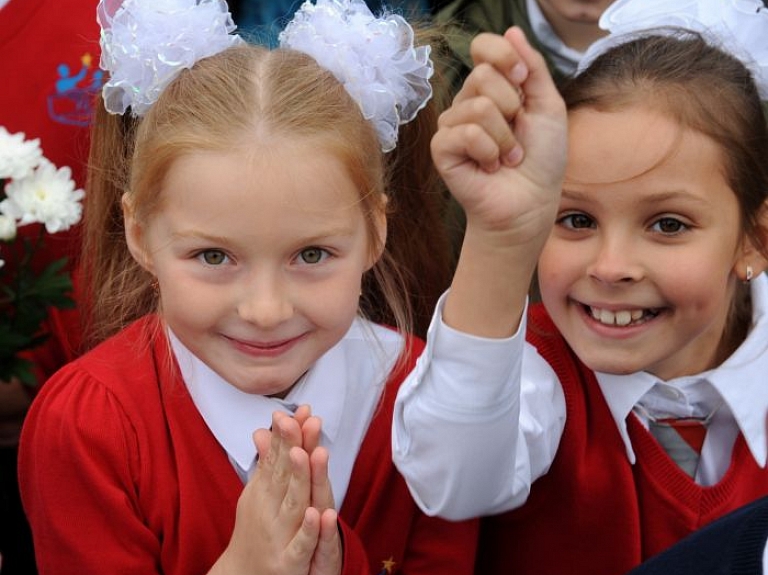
column 7, row 227
column 18, row 157
column 48, row 196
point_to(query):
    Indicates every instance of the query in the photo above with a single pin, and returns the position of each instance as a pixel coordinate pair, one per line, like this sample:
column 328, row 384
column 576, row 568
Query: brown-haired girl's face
column 641, row 266
column 259, row 259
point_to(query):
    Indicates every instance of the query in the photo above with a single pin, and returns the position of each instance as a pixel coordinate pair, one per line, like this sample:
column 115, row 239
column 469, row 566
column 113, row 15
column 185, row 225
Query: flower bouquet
column 32, row 191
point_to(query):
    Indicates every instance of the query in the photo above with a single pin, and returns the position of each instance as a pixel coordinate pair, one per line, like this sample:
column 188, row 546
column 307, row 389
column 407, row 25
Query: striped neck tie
column 682, row 439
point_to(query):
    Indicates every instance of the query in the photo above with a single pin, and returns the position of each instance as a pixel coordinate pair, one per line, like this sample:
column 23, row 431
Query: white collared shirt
column 441, row 416
column 564, row 57
column 343, row 388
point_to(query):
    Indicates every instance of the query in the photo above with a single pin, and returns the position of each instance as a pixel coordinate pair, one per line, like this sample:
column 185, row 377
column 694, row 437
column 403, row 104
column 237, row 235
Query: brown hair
column 702, row 88
column 247, row 92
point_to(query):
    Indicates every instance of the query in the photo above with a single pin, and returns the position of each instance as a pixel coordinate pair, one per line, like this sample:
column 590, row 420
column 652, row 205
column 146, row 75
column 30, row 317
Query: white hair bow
column 145, row 44
column 738, row 27
column 374, row 58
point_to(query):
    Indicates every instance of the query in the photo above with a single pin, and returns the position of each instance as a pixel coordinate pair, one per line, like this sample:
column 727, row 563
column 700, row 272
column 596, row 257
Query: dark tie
column 681, row 439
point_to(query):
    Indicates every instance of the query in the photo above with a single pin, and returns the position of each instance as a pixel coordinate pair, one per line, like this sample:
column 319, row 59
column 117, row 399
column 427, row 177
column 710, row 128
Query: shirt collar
column 740, row 381
column 233, row 415
column 564, row 57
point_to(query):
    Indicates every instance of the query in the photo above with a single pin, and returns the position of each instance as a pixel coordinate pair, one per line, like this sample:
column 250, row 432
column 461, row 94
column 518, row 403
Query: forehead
column 265, row 188
column 638, row 159
column 622, row 145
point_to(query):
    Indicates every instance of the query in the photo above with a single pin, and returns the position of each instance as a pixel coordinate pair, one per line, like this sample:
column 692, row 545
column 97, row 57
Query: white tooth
column 623, row 317
column 606, row 316
column 595, row 313
column 637, row 314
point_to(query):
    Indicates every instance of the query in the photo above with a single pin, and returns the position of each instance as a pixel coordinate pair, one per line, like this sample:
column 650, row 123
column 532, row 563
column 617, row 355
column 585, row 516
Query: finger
column 286, row 434
column 298, row 493
column 500, row 53
column 541, row 94
column 301, row 548
column 302, row 413
column 452, row 147
column 484, row 113
column 322, row 491
column 485, row 80
column 261, row 439
column 327, row 558
column 311, row 433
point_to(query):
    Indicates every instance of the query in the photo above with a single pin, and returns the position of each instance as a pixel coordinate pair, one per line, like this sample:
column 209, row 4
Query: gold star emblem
column 388, row 565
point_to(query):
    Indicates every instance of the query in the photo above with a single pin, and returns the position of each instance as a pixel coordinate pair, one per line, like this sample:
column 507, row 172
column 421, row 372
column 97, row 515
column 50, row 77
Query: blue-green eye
column 312, row 255
column 213, row 257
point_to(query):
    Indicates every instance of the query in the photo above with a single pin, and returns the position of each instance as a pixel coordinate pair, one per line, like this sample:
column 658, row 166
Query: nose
column 616, row 261
column 265, row 301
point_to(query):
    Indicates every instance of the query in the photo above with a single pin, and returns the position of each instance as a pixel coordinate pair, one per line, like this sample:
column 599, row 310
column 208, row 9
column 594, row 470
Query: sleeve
column 476, row 422
column 78, row 468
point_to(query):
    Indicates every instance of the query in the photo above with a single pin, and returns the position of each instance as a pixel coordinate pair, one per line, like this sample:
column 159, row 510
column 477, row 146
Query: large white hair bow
column 146, row 43
column 739, row 27
column 374, row 58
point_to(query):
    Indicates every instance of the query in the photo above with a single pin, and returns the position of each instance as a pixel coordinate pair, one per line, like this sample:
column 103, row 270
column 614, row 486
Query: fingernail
column 492, row 167
column 519, row 73
column 514, row 156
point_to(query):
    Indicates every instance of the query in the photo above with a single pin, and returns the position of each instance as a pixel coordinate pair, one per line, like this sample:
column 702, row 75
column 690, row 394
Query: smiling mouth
column 622, row 318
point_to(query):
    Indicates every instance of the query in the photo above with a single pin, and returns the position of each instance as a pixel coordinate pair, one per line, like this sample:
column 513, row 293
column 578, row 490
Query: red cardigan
column 120, row 474
column 594, row 512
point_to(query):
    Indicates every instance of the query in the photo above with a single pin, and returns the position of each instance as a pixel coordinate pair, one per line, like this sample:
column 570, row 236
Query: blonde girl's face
column 259, row 260
column 640, row 268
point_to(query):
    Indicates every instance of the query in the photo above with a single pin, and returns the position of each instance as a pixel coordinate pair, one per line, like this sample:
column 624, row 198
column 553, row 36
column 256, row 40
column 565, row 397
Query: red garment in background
column 49, row 65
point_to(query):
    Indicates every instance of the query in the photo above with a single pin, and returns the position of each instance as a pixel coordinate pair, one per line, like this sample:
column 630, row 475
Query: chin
column 614, row 366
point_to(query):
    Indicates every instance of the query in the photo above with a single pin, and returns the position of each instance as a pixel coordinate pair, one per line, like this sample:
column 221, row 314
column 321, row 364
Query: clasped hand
column 286, row 523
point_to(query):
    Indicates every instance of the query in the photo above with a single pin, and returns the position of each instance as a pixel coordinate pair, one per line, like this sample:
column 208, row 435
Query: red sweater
column 594, row 512
column 120, row 474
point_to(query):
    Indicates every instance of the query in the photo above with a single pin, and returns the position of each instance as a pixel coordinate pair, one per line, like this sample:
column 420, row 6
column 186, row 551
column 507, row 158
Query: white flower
column 48, row 196
column 18, row 157
column 7, row 227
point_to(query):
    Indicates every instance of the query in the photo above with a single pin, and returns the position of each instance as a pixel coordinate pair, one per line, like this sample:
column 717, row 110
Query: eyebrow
column 334, row 231
column 657, row 197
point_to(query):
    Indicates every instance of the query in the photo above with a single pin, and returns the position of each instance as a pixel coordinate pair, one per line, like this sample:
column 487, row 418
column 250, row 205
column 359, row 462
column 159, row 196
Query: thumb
column 541, row 94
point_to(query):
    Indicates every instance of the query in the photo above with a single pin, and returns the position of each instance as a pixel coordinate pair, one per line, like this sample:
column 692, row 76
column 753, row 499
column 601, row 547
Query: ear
column 751, row 259
column 134, row 235
column 379, row 219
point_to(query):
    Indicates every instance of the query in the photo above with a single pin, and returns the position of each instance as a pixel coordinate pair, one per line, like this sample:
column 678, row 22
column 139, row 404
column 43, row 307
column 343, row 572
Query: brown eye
column 669, row 226
column 576, row 221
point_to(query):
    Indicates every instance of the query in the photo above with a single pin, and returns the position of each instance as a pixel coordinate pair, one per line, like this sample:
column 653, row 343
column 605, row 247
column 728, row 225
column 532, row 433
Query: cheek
column 699, row 282
column 557, row 267
column 337, row 300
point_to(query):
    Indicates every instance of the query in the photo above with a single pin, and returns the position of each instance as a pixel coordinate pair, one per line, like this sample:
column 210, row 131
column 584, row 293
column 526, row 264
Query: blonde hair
column 242, row 94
